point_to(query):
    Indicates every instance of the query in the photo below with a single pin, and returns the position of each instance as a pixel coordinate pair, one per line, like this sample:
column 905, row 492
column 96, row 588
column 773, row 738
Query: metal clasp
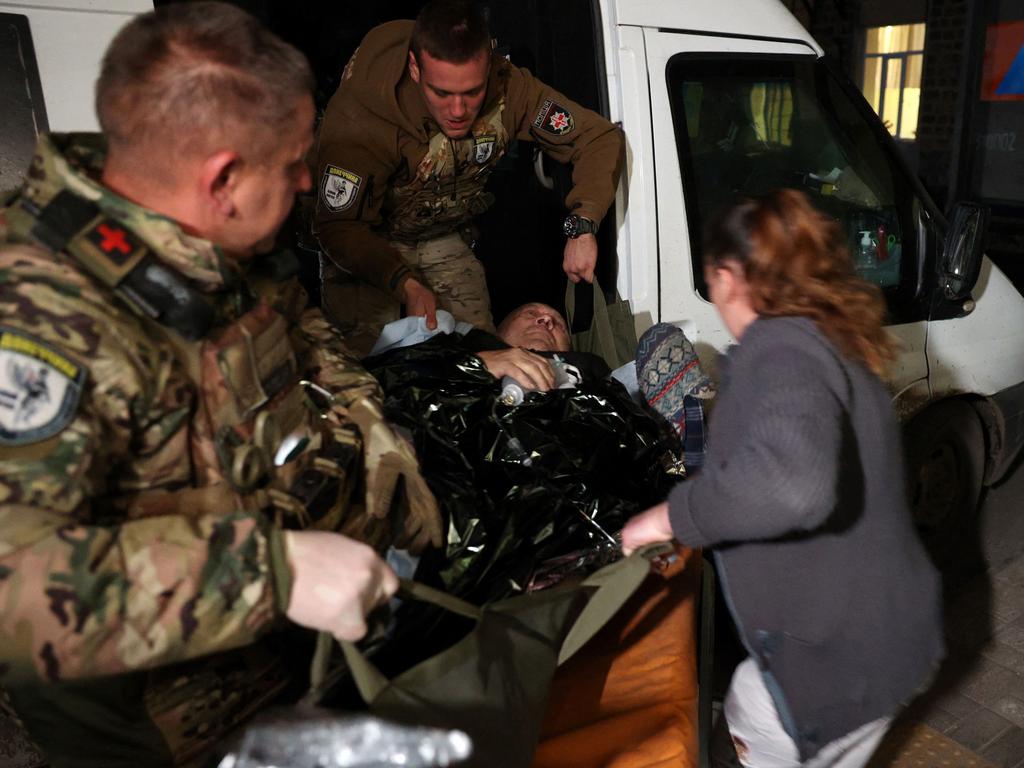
column 319, row 397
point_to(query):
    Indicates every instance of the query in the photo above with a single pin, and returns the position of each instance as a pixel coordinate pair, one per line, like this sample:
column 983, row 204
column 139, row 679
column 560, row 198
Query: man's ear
column 218, row 180
column 414, row 68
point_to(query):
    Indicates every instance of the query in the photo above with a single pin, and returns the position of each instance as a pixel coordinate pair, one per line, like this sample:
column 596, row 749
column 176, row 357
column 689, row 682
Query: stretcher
column 629, row 698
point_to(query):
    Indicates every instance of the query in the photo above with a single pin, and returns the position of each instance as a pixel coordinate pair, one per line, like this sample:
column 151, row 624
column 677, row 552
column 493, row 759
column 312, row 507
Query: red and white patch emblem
column 554, row 118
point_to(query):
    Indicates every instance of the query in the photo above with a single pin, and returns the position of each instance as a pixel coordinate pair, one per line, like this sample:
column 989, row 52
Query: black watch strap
column 576, row 225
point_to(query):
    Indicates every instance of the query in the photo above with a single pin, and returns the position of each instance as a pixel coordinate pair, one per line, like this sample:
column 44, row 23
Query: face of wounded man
column 535, row 326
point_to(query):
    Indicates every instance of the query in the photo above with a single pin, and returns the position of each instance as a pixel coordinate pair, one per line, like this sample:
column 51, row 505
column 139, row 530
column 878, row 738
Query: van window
column 747, row 126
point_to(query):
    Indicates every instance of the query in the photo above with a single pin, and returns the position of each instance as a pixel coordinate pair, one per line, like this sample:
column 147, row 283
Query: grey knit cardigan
column 803, row 500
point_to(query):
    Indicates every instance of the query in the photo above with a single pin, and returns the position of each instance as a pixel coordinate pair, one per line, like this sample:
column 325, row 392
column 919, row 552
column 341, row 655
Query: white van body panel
column 69, row 37
column 636, row 199
column 735, row 18
column 982, row 352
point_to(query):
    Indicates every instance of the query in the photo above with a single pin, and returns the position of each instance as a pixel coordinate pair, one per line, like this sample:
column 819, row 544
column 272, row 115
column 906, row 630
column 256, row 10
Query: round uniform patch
column 39, row 388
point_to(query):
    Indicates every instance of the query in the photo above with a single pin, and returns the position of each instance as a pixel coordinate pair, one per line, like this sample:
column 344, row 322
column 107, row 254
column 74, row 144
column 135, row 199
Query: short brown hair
column 450, row 30
column 795, row 262
column 188, row 76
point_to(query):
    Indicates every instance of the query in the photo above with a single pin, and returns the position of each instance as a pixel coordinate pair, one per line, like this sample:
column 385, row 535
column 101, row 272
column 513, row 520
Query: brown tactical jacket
column 386, row 172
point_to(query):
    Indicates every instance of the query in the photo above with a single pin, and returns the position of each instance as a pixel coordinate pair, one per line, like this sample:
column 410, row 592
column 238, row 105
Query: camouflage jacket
column 386, row 172
column 120, row 549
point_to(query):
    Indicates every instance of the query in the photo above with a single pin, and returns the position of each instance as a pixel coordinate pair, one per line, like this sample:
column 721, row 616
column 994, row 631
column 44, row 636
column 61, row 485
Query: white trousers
column 762, row 742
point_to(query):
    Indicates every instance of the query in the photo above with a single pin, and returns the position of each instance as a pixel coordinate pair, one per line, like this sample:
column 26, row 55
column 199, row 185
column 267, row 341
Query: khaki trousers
column 450, row 269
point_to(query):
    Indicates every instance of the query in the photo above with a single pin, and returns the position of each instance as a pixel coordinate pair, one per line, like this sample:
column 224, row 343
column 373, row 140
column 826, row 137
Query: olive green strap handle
column 601, row 325
column 615, row 584
column 368, row 679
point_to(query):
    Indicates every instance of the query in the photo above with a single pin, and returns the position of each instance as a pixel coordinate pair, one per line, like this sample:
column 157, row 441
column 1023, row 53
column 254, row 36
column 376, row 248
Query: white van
column 717, row 98
column 733, row 97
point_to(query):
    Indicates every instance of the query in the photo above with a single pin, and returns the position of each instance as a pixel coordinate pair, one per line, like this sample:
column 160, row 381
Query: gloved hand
column 392, row 474
column 336, row 582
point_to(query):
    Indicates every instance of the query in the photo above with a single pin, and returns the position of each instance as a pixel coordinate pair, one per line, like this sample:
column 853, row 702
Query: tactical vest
column 447, row 189
column 261, row 437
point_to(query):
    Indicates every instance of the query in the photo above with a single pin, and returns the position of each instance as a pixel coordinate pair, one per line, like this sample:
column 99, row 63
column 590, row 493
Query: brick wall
column 943, row 67
column 835, row 26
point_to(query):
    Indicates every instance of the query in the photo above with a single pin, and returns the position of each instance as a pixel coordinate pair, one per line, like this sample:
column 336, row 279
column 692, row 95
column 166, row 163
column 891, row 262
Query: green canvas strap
column 603, row 340
column 600, row 306
column 413, row 590
column 367, row 677
column 370, row 681
column 615, row 585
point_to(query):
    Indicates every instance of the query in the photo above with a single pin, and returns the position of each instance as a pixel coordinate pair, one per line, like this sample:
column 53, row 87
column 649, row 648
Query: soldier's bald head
column 190, row 78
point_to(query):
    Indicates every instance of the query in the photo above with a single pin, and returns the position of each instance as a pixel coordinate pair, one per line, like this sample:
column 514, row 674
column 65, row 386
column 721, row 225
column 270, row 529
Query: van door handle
column 538, row 170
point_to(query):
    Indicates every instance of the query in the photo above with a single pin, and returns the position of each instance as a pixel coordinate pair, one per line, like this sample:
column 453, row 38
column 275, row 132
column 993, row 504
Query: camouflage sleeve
column 87, row 587
column 570, row 134
column 329, row 362
column 82, row 600
column 353, row 168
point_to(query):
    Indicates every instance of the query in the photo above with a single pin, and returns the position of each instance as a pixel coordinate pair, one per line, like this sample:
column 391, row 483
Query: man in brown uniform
column 423, row 114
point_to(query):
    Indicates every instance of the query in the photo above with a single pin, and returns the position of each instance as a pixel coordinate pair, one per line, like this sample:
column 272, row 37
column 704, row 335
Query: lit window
column 892, row 76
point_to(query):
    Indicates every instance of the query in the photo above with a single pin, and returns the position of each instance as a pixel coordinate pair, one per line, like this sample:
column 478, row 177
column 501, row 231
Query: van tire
column 945, row 448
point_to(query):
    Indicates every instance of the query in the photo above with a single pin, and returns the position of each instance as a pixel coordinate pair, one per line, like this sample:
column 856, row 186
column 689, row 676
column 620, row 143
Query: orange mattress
column 628, row 699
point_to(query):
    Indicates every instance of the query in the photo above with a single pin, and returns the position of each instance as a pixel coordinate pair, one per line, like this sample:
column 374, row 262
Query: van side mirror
column 961, row 256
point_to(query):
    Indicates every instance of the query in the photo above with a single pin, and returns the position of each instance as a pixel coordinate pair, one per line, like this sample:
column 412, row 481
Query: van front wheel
column 945, row 465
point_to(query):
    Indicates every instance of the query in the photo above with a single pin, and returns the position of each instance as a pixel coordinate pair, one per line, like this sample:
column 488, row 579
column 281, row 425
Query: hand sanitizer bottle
column 867, row 255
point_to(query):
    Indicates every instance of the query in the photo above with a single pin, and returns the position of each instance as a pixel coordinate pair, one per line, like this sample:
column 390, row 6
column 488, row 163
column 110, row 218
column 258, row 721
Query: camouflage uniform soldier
column 170, row 413
column 423, row 114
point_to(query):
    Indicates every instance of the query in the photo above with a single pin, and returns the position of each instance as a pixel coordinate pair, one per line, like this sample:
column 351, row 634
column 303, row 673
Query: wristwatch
column 575, row 225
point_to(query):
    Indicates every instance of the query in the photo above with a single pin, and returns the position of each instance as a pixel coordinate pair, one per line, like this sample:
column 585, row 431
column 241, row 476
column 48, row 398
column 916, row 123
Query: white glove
column 336, row 582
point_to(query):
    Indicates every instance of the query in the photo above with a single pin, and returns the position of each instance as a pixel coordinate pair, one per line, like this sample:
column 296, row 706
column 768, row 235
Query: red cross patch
column 116, row 242
column 554, row 118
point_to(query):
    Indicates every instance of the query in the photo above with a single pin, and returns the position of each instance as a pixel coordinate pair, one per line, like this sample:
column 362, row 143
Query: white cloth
column 413, row 330
column 762, row 742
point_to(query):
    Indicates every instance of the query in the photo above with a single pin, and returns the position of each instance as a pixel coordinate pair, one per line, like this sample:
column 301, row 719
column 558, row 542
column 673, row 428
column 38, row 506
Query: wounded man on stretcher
column 533, row 490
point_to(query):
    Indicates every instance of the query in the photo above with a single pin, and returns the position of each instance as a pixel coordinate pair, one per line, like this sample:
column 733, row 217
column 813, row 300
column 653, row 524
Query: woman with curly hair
column 802, row 496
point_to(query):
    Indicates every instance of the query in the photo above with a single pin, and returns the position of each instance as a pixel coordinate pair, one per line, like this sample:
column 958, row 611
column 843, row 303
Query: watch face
column 571, row 226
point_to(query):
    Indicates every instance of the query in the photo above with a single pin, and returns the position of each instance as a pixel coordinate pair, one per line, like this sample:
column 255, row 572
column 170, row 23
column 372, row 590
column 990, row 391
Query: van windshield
column 750, row 125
